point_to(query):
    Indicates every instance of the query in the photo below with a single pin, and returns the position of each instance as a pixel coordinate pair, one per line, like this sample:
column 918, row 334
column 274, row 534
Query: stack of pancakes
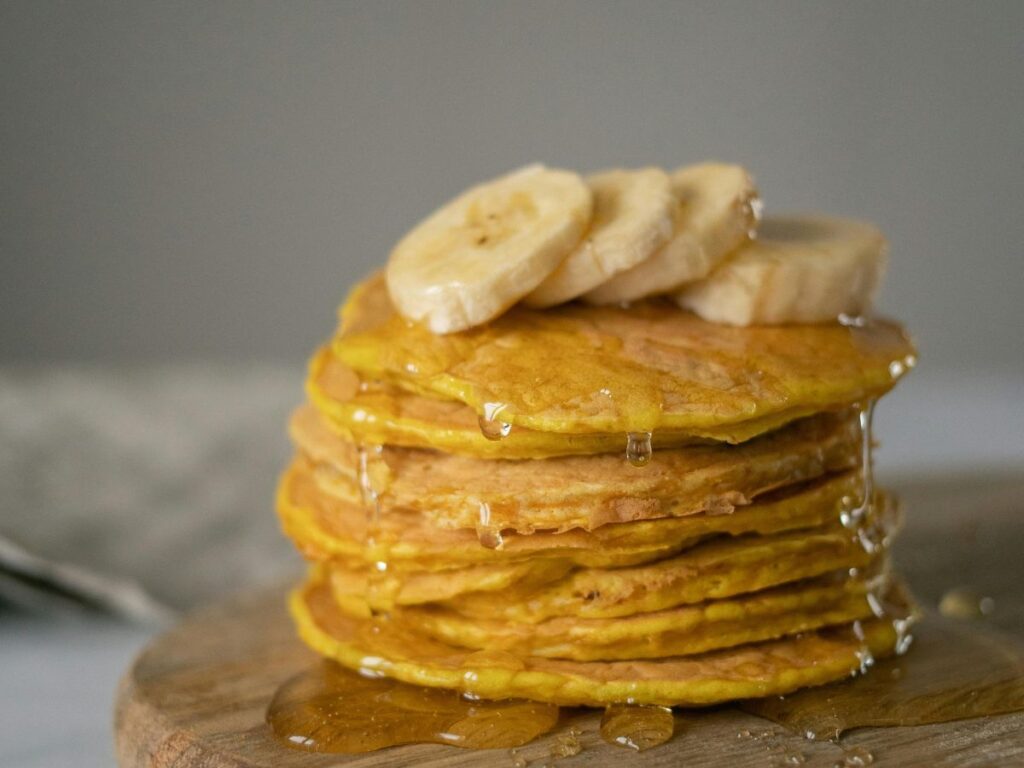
column 589, row 506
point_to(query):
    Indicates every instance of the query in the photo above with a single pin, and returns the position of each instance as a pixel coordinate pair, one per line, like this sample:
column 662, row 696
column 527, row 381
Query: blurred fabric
column 142, row 490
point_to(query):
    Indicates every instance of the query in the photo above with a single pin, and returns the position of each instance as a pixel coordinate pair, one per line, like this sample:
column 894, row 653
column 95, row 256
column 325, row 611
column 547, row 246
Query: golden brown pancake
column 760, row 669
column 383, row 591
column 680, row 631
column 374, row 412
column 581, row 369
column 326, row 527
column 579, row 491
column 714, row 570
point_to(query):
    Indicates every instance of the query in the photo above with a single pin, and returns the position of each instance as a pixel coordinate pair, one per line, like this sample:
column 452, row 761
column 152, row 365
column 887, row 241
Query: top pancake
column 578, row 369
column 373, row 412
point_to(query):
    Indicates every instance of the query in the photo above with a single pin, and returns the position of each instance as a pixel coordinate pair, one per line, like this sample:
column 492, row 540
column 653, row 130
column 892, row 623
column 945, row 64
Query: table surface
column 954, row 448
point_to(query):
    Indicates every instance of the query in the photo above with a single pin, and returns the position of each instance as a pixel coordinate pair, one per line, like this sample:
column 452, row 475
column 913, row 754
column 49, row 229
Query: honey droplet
column 638, row 448
column 854, row 510
column 490, row 538
column 637, row 727
column 487, row 533
column 331, row 709
column 956, row 671
column 491, row 426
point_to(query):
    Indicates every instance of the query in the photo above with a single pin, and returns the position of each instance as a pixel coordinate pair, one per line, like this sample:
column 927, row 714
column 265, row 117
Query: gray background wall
column 206, row 179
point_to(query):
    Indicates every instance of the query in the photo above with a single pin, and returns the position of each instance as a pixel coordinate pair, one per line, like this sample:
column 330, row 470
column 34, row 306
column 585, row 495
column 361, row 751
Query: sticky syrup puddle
column 955, row 670
column 331, row 709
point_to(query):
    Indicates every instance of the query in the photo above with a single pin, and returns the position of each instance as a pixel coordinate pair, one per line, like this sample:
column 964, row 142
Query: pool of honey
column 956, row 670
column 331, row 709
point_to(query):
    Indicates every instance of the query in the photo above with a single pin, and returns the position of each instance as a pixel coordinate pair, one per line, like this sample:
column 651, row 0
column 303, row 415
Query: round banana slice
column 718, row 212
column 633, row 216
column 801, row 269
column 479, row 254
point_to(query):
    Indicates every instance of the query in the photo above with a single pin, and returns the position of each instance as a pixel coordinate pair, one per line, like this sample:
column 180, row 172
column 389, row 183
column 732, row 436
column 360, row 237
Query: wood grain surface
column 196, row 696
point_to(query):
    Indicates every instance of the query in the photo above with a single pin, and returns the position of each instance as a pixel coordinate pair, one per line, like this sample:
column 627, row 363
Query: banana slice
column 718, row 212
column 633, row 214
column 800, row 270
column 479, row 254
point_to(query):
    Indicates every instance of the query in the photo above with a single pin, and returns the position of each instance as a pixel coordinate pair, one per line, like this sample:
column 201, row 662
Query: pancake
column 538, row 589
column 363, row 586
column 325, row 527
column 678, row 631
column 761, row 669
column 717, row 569
column 578, row 491
column 581, row 369
column 374, row 412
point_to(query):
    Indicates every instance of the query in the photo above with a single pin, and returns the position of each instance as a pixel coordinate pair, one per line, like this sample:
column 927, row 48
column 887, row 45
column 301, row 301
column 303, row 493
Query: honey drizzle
column 854, row 511
column 487, row 532
column 872, row 534
column 492, row 428
column 376, row 547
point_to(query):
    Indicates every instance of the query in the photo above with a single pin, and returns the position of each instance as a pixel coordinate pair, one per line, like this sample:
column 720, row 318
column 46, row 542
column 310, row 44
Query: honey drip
column 637, row 727
column 330, row 709
column 376, row 547
column 487, row 533
column 490, row 425
column 854, row 510
column 367, row 490
column 956, row 671
column 638, row 448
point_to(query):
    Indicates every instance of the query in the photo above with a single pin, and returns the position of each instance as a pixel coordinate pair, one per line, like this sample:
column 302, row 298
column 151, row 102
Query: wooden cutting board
column 197, row 695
